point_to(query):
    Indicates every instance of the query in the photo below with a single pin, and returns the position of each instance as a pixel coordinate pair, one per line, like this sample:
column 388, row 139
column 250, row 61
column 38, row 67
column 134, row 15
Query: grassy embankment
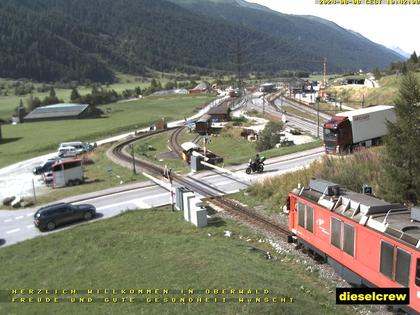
column 384, row 95
column 27, row 140
column 349, row 171
column 229, row 144
column 156, row 249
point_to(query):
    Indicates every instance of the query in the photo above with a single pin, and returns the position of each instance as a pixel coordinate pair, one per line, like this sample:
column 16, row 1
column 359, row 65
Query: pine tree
column 401, row 175
column 414, row 58
column 75, row 96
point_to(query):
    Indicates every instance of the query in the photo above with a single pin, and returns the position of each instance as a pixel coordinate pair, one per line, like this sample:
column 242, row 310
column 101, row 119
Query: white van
column 68, row 151
column 79, row 147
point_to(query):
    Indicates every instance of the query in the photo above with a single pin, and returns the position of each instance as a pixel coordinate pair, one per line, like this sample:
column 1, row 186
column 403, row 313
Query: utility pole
column 239, row 62
column 205, row 140
column 325, row 73
column 263, row 99
column 33, row 188
column 168, row 174
column 172, row 189
column 317, row 112
column 134, row 161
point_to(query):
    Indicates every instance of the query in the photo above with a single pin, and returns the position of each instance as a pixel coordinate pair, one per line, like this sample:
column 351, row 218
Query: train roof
column 392, row 219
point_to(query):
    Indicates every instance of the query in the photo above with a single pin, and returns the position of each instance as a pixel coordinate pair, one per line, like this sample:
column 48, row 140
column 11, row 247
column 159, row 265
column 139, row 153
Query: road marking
column 29, row 214
column 30, row 226
column 153, row 197
column 19, row 217
column 12, row 231
column 8, row 220
column 116, row 205
column 118, row 193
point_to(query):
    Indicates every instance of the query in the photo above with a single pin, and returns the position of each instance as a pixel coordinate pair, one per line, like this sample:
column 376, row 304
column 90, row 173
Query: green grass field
column 157, row 249
column 27, row 140
column 159, row 143
column 233, row 148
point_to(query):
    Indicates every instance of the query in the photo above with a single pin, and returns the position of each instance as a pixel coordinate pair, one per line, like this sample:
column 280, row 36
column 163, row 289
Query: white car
column 67, row 152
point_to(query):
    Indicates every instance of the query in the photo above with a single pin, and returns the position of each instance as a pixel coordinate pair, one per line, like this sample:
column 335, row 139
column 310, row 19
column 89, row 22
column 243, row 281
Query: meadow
column 157, row 249
column 23, row 141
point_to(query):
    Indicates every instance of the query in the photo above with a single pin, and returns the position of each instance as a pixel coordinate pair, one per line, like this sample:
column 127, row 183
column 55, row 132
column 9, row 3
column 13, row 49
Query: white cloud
column 389, row 25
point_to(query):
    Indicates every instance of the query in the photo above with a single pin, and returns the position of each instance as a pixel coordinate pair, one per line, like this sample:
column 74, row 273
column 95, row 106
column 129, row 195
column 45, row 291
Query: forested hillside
column 51, row 40
column 307, row 35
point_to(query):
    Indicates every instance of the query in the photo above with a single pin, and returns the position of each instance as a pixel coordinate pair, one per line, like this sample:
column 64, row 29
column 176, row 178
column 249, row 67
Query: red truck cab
column 337, row 135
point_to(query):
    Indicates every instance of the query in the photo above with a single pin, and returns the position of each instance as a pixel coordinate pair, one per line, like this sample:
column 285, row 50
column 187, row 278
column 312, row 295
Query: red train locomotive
column 368, row 241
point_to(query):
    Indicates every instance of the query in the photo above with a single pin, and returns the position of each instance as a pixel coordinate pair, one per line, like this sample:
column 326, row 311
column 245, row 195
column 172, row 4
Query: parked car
column 67, row 152
column 49, row 217
column 44, row 167
column 79, row 147
column 48, row 177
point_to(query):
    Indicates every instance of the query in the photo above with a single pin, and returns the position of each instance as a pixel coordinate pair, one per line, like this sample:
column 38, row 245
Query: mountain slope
column 314, row 36
column 50, row 40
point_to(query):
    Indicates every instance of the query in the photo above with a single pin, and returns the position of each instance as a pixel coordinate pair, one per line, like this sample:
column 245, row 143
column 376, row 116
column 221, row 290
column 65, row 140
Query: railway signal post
column 134, row 161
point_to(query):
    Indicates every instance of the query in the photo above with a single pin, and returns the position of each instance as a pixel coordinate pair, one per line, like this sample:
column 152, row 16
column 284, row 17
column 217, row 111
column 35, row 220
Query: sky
column 390, row 25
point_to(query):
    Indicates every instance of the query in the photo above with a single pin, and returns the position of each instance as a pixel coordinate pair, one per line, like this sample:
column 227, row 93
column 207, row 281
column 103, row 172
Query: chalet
column 220, row 113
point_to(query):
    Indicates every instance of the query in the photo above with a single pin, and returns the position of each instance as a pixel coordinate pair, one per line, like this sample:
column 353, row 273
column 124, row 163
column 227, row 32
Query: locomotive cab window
column 398, row 269
column 348, row 243
column 387, row 258
column 301, row 214
column 342, row 236
column 402, row 270
column 336, row 232
column 306, row 217
column 309, row 219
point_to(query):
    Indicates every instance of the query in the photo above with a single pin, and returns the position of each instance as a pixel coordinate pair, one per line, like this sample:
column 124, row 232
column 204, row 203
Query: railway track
column 211, row 193
column 173, row 141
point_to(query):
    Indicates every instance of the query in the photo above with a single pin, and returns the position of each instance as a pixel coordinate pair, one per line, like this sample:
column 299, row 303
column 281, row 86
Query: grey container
column 179, row 200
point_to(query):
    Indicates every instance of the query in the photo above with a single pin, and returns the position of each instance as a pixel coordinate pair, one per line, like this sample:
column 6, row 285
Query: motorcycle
column 255, row 166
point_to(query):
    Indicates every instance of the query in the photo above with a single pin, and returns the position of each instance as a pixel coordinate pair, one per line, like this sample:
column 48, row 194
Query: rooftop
column 57, row 110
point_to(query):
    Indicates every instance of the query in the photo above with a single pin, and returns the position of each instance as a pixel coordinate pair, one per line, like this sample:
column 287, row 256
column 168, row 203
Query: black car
column 49, row 217
column 45, row 167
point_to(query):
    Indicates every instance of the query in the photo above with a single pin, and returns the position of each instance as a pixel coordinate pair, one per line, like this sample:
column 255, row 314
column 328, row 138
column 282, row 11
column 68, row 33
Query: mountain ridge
column 52, row 40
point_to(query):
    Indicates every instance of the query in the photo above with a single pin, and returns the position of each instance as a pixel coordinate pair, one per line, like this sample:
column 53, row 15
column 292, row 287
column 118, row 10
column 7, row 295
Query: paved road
column 17, row 225
column 292, row 120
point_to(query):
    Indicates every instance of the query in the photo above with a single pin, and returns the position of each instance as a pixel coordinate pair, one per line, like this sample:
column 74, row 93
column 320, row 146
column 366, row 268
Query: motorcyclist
column 257, row 159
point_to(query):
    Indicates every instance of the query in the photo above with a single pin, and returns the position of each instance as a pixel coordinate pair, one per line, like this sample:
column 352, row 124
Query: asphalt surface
column 17, row 225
